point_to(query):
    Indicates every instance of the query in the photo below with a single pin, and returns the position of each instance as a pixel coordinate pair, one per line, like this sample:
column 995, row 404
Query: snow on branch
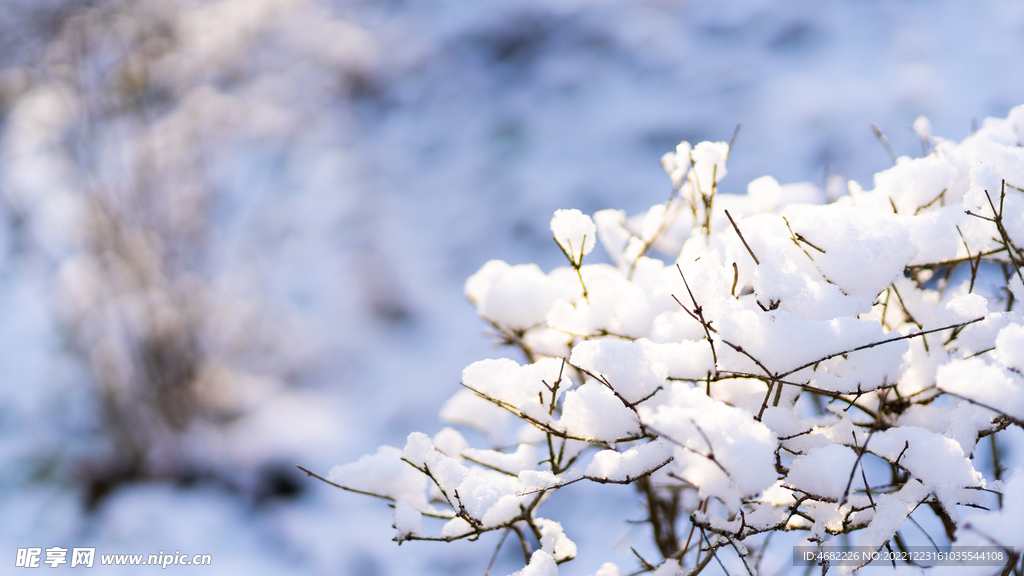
column 793, row 366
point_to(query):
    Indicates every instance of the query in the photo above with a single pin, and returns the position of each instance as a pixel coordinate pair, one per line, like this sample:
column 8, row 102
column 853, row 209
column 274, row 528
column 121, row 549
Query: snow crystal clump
column 575, row 232
column 820, row 471
column 386, row 474
column 408, row 520
column 631, row 370
column 541, row 564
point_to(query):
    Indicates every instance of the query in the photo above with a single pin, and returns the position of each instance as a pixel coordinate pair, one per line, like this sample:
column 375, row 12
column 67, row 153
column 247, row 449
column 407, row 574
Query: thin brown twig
column 885, row 142
column 879, row 343
column 345, row 488
column 742, row 239
column 597, row 479
column 699, row 312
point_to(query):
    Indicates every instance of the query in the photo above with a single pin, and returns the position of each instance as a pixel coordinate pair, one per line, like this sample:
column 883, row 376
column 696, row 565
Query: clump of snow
column 554, row 541
column 923, row 128
column 719, row 449
column 467, row 408
column 994, row 527
column 456, row 527
column 1010, row 347
column 613, row 305
column 499, row 289
column 488, row 496
column 608, row 569
column 936, row 461
column 524, row 388
column 989, row 386
column 864, row 251
column 592, row 411
column 967, row 307
column 708, row 159
column 823, row 471
column 767, row 195
column 669, row 568
column 541, row 564
column 784, row 342
column 686, row 360
column 534, row 480
column 986, row 184
column 677, row 163
column 408, row 520
column 524, row 458
column 612, row 232
column 631, row 370
column 386, row 474
column 450, row 442
column 621, row 466
column 575, row 232
column 891, row 512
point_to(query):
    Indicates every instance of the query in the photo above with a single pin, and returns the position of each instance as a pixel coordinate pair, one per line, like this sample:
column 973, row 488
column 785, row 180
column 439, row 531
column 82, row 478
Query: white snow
column 575, row 232
column 698, row 428
column 469, row 409
column 525, row 457
column 966, row 308
column 314, row 183
column 823, row 471
column 612, row 465
column 498, row 290
column 408, row 520
column 386, row 474
column 986, row 184
column 890, row 513
column 554, row 541
column 450, row 442
column 1010, row 347
column 524, row 388
column 992, row 528
column 989, row 386
column 592, row 411
column 541, row 564
column 864, row 250
column 608, row 569
column 626, row 366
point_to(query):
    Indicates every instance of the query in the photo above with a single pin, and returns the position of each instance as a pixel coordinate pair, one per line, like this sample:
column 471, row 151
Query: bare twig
column 885, row 142
column 345, row 488
column 698, row 313
column 494, row 556
column 742, row 239
column 597, row 479
column 879, row 343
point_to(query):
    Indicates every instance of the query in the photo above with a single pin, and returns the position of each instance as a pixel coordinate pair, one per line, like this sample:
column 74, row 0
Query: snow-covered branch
column 720, row 384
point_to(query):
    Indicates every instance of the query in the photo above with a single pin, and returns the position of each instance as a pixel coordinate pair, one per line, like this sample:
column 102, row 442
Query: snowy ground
column 363, row 159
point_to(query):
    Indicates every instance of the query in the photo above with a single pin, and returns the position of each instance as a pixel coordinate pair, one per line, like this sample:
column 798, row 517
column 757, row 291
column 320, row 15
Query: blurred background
column 234, row 233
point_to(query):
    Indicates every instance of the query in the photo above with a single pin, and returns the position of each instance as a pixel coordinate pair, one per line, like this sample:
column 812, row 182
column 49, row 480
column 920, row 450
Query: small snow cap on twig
column 575, row 233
